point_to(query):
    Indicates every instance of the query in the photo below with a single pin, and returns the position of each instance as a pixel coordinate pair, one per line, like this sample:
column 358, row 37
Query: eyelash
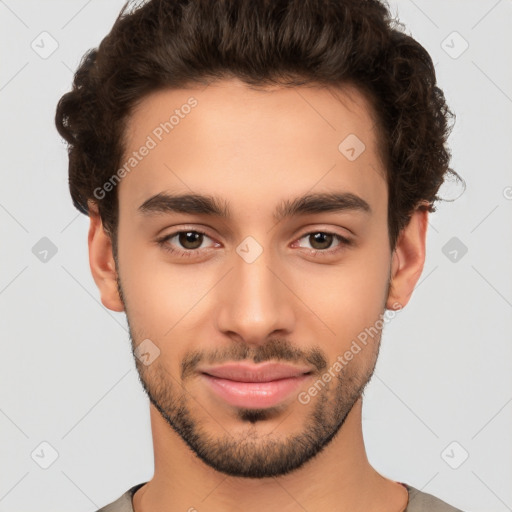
column 163, row 243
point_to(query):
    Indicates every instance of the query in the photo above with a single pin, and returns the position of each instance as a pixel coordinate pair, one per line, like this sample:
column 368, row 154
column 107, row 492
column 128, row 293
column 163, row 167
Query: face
column 244, row 271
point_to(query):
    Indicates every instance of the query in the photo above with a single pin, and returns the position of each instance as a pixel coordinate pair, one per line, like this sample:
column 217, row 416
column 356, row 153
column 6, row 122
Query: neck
column 339, row 478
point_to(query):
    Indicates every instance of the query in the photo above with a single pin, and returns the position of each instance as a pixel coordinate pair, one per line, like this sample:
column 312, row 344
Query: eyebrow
column 162, row 203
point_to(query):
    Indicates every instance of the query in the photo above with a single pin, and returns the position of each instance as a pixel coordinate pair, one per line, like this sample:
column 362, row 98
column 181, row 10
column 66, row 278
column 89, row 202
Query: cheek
column 161, row 298
column 347, row 298
column 157, row 294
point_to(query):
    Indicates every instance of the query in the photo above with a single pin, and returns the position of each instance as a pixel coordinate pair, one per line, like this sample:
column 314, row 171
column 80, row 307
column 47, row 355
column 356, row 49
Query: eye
column 188, row 242
column 322, row 242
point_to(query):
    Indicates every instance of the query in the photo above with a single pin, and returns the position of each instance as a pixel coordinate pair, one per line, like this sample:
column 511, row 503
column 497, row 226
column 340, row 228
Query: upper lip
column 245, row 372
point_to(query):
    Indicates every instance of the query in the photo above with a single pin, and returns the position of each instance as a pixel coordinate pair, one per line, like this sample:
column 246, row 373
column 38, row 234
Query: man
column 258, row 176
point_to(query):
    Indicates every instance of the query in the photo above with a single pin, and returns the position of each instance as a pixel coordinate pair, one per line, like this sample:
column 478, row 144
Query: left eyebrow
column 320, row 203
column 209, row 205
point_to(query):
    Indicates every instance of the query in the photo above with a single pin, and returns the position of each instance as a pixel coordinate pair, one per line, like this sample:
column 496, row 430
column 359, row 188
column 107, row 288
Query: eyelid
column 326, row 230
column 343, row 242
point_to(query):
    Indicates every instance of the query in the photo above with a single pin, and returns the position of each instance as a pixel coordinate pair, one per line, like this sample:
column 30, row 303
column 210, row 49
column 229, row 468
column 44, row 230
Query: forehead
column 228, row 139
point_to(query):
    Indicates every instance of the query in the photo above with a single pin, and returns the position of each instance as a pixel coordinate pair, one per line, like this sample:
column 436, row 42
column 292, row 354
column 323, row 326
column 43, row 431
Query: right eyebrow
column 184, row 203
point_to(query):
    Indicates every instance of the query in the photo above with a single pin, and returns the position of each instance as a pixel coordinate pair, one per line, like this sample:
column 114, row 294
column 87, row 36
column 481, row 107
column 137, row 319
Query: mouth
column 254, row 386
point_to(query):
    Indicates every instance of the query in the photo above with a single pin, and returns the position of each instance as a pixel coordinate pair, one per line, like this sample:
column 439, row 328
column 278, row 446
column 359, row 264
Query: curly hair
column 162, row 44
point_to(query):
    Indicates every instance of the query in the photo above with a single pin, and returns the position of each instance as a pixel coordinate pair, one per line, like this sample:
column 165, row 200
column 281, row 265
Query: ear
column 102, row 263
column 408, row 260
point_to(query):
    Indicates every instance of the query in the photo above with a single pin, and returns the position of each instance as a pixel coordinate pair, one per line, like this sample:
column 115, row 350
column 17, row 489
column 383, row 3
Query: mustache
column 278, row 349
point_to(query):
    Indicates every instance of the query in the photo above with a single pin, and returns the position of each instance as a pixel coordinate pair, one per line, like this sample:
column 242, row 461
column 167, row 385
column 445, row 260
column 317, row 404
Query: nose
column 255, row 301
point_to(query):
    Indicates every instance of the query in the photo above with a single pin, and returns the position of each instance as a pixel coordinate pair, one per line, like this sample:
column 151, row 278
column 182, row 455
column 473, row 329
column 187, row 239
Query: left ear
column 408, row 260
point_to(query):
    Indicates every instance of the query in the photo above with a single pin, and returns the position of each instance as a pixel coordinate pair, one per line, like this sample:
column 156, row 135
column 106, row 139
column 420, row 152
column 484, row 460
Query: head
column 258, row 176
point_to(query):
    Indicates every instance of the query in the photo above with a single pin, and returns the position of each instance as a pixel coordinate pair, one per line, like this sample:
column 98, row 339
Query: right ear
column 102, row 263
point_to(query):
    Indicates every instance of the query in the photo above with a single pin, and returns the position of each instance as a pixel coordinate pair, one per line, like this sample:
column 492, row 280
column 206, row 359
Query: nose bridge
column 254, row 302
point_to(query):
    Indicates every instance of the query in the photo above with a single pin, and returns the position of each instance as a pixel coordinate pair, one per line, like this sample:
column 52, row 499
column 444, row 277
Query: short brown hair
column 174, row 43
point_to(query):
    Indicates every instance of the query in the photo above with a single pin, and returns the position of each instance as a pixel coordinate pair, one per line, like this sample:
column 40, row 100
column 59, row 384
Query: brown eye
column 190, row 239
column 320, row 240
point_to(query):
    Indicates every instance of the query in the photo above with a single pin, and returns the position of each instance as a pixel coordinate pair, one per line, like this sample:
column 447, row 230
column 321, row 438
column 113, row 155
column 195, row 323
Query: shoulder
column 423, row 502
column 123, row 503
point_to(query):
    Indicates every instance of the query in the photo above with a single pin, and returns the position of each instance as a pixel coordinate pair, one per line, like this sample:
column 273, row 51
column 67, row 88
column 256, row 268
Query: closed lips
column 256, row 373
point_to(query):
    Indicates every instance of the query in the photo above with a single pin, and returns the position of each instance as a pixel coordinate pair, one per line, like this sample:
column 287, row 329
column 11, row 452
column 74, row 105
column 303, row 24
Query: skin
column 254, row 149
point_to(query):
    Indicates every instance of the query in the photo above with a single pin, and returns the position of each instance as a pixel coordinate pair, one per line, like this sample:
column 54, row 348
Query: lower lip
column 254, row 394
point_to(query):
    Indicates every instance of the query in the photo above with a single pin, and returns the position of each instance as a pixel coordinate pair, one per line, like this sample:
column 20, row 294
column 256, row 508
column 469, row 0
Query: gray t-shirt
column 418, row 502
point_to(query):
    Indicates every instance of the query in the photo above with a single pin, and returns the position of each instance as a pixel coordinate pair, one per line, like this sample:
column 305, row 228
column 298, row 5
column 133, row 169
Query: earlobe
column 408, row 260
column 101, row 261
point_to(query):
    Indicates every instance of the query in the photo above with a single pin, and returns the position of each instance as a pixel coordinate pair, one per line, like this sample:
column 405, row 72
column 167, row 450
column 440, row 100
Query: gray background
column 443, row 385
